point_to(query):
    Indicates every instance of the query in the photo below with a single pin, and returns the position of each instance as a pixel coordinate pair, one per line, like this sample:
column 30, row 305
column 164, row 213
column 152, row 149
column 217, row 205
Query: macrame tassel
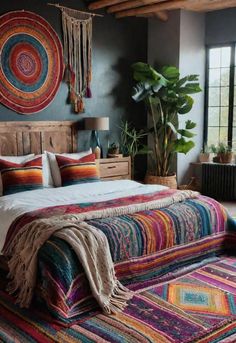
column 80, row 105
column 88, row 92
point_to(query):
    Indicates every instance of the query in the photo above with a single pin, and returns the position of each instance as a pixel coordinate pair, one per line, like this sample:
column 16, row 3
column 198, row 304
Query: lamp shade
column 97, row 123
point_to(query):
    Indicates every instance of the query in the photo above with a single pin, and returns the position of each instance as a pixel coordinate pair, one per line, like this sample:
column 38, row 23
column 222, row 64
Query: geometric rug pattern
column 199, row 306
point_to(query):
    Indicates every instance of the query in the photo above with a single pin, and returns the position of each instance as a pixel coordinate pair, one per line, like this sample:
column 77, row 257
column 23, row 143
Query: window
column 221, row 96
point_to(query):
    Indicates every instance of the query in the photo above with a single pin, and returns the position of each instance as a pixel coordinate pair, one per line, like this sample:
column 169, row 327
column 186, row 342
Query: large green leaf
column 186, row 133
column 141, row 91
column 189, row 125
column 145, row 73
column 188, row 78
column 187, row 104
column 183, row 146
column 170, row 73
column 190, row 88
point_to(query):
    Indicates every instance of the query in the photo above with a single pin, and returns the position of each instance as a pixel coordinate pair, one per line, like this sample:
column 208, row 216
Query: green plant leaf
column 190, row 88
column 141, row 91
column 171, row 73
column 188, row 78
column 183, row 146
column 189, row 125
column 186, row 133
column 144, row 72
column 187, row 105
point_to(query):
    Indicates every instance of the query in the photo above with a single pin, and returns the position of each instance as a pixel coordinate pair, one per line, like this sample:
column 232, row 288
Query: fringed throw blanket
column 26, row 236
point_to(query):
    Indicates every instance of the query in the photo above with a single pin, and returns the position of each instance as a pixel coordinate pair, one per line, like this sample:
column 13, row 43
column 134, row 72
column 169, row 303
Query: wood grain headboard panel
column 21, row 138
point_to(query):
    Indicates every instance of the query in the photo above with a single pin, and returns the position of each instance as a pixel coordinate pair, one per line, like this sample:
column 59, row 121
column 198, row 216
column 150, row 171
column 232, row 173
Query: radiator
column 219, row 181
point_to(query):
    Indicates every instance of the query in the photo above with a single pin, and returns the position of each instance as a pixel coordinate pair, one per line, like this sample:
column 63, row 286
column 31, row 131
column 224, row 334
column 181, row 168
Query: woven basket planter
column 169, row 181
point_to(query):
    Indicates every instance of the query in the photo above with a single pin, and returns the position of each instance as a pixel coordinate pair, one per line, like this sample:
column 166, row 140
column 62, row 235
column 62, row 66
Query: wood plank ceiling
column 158, row 8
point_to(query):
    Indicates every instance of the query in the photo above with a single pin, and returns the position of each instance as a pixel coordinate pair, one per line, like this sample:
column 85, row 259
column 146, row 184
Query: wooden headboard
column 21, row 138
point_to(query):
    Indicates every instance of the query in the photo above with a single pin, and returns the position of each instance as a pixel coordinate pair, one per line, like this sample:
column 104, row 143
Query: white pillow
column 14, row 159
column 55, row 174
column 47, row 176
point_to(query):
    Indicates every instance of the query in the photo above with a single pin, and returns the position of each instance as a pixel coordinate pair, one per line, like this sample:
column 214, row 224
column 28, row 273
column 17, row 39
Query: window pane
column 214, row 58
column 224, row 77
column 224, row 115
column 214, row 96
column 224, row 96
column 214, row 77
column 225, row 56
column 234, row 121
column 214, row 116
column 234, row 139
column 213, row 135
column 224, row 135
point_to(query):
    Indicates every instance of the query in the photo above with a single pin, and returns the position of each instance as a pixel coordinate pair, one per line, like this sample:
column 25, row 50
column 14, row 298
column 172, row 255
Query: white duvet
column 12, row 206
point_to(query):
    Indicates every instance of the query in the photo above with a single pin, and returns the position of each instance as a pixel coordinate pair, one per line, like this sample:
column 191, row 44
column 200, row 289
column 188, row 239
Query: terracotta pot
column 169, row 181
column 225, row 157
column 204, row 157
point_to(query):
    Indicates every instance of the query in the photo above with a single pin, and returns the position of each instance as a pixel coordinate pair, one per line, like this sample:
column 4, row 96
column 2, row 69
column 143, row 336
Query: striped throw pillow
column 77, row 171
column 21, row 177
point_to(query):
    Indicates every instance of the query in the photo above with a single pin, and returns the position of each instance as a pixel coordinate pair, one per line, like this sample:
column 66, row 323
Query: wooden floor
column 231, row 207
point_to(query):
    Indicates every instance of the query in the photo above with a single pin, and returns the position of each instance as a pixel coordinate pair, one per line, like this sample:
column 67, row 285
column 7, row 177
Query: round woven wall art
column 31, row 62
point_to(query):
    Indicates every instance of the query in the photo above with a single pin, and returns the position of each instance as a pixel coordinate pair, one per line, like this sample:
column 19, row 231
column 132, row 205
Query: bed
column 153, row 234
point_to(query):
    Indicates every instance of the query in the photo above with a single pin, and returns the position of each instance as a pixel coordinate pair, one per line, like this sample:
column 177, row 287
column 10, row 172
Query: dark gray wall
column 116, row 45
column 221, row 26
column 163, row 40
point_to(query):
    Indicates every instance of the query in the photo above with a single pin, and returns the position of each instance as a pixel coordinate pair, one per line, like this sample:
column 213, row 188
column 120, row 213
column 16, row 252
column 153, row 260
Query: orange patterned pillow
column 21, row 177
column 77, row 171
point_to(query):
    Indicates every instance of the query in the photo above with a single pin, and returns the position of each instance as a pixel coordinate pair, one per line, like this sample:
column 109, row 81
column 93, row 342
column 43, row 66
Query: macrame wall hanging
column 77, row 40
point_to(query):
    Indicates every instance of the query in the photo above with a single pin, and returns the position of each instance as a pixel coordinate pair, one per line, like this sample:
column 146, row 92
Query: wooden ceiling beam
column 213, row 6
column 178, row 4
column 162, row 15
column 103, row 3
column 167, row 5
column 132, row 4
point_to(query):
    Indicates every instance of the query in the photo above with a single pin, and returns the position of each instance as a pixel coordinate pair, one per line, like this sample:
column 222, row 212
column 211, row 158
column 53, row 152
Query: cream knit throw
column 90, row 245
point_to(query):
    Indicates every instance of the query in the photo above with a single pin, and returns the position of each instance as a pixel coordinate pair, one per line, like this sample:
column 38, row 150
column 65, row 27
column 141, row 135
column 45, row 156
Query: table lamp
column 96, row 124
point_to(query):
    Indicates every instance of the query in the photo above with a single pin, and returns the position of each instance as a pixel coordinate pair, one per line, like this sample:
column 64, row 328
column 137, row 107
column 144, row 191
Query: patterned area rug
column 199, row 306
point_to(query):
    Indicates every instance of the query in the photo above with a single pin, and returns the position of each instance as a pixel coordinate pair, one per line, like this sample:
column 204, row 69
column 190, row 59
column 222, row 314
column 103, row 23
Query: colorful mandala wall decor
column 31, row 62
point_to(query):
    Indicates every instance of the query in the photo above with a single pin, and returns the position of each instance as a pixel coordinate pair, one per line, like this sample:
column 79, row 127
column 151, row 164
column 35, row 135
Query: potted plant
column 223, row 153
column 205, row 154
column 166, row 96
column 113, row 150
column 132, row 142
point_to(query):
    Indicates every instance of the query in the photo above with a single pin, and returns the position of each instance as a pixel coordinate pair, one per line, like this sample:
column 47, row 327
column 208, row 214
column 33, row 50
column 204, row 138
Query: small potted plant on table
column 205, row 154
column 223, row 153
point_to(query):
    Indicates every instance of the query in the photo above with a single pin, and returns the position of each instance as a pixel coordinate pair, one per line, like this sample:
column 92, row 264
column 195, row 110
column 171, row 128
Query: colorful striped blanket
column 145, row 246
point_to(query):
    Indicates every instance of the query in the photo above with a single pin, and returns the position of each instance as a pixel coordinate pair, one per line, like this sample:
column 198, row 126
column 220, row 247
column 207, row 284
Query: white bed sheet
column 14, row 205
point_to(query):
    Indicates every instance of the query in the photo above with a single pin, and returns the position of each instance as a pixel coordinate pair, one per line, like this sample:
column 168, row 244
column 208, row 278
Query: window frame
column 232, row 85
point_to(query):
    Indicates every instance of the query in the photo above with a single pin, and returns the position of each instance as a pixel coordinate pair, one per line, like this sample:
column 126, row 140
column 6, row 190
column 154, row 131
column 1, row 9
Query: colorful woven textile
column 77, row 171
column 198, row 307
column 31, row 62
column 21, row 177
column 145, row 247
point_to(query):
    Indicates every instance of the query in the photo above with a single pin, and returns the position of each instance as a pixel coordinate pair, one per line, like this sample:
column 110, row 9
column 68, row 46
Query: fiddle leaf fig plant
column 167, row 96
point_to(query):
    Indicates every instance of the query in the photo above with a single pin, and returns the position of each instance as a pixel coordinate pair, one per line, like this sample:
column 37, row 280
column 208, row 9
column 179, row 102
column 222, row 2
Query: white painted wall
column 192, row 61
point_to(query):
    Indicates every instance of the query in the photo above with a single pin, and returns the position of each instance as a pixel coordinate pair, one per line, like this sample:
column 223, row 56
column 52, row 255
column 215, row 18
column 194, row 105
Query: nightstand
column 114, row 168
